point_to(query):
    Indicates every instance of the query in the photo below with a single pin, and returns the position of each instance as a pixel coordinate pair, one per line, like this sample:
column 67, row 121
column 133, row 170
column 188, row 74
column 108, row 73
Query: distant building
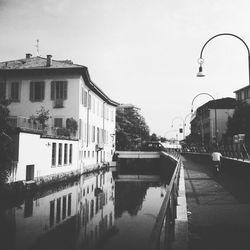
column 243, row 94
column 79, row 112
column 203, row 122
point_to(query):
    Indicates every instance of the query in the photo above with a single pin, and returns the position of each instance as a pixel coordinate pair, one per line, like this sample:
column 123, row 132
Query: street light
column 215, row 113
column 201, row 60
column 183, row 124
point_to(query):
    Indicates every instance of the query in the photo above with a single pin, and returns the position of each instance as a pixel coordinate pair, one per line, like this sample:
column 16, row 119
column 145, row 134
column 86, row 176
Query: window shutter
column 52, row 91
column 42, row 90
column 65, row 84
column 31, row 91
column 2, row 90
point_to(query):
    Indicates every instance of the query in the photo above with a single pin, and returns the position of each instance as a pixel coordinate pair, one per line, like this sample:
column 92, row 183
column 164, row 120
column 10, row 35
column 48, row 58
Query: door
column 30, row 172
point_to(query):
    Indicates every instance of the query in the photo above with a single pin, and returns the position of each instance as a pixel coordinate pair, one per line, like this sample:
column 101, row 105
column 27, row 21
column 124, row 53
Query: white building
column 66, row 90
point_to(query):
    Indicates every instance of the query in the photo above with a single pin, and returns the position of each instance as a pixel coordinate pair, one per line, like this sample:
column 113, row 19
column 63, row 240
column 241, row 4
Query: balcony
column 25, row 123
column 31, row 125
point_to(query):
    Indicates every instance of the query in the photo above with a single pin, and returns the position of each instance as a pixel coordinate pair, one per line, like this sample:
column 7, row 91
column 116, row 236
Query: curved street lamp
column 215, row 113
column 201, row 60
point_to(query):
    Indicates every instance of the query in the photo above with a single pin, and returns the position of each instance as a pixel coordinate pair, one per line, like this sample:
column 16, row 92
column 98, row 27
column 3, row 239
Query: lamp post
column 183, row 124
column 201, row 60
column 215, row 114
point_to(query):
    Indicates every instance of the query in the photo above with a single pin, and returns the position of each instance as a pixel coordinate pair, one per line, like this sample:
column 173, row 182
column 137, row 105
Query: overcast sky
column 142, row 52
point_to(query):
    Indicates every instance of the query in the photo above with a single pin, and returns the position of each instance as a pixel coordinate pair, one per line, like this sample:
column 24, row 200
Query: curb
column 181, row 221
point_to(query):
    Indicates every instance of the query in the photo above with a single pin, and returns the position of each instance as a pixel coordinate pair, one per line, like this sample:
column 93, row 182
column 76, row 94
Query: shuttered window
column 37, row 91
column 2, row 90
column 85, row 99
column 15, row 92
column 59, row 90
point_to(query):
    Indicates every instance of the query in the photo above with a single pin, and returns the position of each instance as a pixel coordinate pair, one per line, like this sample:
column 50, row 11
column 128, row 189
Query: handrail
column 169, row 197
column 229, row 151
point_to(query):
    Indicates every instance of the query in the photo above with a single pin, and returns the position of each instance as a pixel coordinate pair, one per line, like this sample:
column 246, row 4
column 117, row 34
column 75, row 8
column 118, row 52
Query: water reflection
column 105, row 210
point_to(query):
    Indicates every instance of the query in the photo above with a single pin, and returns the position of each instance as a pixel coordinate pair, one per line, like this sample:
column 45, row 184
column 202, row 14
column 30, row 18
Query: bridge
column 137, row 155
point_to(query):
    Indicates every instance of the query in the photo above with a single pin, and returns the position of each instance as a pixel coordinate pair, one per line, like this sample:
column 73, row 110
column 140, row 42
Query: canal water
column 110, row 209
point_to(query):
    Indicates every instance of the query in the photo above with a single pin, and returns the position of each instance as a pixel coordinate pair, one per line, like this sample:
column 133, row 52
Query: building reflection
column 95, row 211
column 75, row 217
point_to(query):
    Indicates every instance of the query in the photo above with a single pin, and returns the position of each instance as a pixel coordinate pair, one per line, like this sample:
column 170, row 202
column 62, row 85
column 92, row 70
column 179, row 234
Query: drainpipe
column 88, row 119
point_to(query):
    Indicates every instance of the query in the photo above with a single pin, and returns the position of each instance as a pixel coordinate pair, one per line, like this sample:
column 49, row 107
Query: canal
column 111, row 209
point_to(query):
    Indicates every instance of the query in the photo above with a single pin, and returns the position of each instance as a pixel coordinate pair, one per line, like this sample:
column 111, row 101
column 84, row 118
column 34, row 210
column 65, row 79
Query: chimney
column 49, row 60
column 28, row 56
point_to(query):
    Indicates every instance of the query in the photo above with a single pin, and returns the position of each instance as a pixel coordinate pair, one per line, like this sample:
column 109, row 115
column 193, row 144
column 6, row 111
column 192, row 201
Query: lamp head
column 200, row 73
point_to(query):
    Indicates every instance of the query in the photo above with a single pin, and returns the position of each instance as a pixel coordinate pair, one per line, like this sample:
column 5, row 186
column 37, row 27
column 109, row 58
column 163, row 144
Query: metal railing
column 25, row 123
column 162, row 234
column 32, row 125
column 231, row 151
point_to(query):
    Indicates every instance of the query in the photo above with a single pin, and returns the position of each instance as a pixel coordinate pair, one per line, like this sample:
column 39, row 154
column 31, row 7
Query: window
column 52, row 213
column 60, row 154
column 58, row 90
column 36, row 91
column 65, row 154
column 69, row 204
column 85, row 98
column 64, row 207
column 15, row 92
column 58, row 210
column 80, row 129
column 82, row 96
column 2, row 90
column 28, row 207
column 70, row 153
column 91, row 208
column 53, row 154
column 89, row 101
column 93, row 104
column 58, row 122
column 93, row 134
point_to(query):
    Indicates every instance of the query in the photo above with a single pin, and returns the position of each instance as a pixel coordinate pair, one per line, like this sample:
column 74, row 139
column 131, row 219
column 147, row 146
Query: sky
column 141, row 52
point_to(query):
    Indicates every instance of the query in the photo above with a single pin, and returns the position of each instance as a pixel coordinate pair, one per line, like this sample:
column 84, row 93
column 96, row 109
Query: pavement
column 218, row 207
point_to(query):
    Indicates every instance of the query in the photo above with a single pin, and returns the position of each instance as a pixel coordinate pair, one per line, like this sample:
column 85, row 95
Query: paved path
column 218, row 208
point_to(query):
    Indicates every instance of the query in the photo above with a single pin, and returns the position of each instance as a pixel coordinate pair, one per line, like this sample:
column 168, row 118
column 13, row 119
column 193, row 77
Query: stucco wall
column 37, row 151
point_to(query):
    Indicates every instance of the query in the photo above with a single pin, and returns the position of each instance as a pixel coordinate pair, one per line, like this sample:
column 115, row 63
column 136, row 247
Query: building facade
column 78, row 111
column 209, row 116
column 243, row 94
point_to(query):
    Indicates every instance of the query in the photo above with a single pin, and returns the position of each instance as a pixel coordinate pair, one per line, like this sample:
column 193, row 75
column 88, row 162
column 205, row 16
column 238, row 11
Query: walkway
column 218, row 208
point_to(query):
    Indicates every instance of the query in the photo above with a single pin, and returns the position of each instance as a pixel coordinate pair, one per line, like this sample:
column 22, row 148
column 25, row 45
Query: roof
column 38, row 64
column 223, row 103
column 246, row 87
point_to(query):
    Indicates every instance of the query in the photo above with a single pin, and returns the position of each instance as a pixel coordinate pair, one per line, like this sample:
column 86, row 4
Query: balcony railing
column 32, row 125
column 25, row 123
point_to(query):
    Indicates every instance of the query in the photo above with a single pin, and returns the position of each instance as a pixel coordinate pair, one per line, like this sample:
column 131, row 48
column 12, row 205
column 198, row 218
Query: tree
column 42, row 116
column 131, row 129
column 71, row 125
column 239, row 123
column 5, row 141
column 154, row 137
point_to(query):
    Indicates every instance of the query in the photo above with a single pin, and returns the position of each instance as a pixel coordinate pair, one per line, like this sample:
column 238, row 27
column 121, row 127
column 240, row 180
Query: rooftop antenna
column 37, row 47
